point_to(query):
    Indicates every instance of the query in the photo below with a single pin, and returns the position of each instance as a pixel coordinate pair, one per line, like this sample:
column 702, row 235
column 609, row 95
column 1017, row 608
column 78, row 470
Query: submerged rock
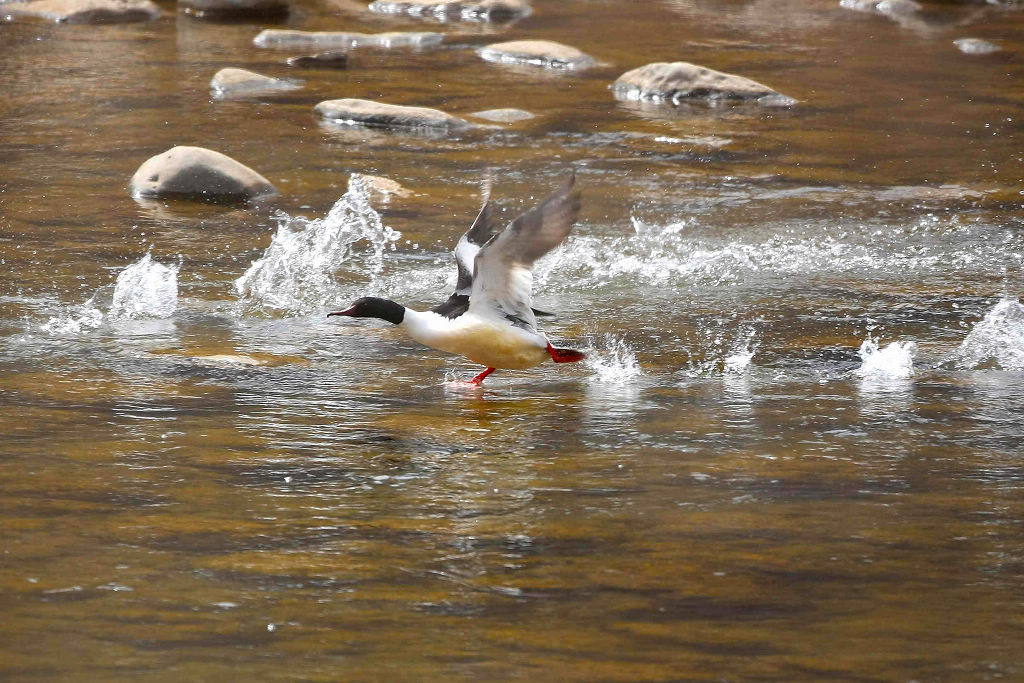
column 233, row 9
column 544, row 53
column 197, row 172
column 503, row 115
column 84, row 11
column 236, row 82
column 466, row 10
column 335, row 59
column 286, row 38
column 379, row 114
column 675, row 82
column 976, row 46
column 383, row 187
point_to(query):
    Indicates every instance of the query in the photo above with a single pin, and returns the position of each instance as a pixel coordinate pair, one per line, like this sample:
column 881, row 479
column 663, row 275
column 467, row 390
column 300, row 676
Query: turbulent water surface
column 794, row 451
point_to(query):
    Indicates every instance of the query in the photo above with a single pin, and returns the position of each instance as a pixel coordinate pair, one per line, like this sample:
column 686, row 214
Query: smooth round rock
column 976, row 46
column 545, row 53
column 198, row 172
column 335, row 59
column 676, row 82
column 466, row 10
column 503, row 115
column 232, row 82
column 233, row 9
column 287, row 38
column 379, row 114
column 84, row 11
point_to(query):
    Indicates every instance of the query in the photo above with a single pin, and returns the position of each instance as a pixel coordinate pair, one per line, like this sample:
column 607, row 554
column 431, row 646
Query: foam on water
column 996, row 341
column 145, row 289
column 675, row 254
column 612, row 361
column 296, row 273
column 894, row 361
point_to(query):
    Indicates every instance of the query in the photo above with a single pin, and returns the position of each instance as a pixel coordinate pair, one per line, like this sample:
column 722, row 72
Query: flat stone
column 465, row 10
column 84, row 11
column 233, row 9
column 239, row 82
column 286, row 38
column 976, row 46
column 543, row 53
column 335, row 59
column 379, row 114
column 676, row 82
column 503, row 115
column 197, row 172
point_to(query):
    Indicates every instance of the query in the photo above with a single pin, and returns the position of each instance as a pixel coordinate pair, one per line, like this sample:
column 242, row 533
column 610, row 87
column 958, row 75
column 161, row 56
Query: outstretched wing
column 482, row 230
column 503, row 272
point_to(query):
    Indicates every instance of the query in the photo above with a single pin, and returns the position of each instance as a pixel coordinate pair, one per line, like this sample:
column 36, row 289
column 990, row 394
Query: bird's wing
column 503, row 271
column 482, row 230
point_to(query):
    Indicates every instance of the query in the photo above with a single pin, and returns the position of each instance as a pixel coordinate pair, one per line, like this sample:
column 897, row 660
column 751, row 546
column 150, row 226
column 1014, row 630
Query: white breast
column 489, row 341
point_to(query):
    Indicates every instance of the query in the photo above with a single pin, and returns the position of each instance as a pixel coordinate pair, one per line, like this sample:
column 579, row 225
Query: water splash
column 894, row 361
column 145, row 289
column 296, row 273
column 721, row 351
column 995, row 342
column 74, row 320
column 678, row 254
column 612, row 362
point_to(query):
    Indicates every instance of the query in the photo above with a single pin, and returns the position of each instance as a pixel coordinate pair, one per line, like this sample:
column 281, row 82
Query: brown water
column 728, row 491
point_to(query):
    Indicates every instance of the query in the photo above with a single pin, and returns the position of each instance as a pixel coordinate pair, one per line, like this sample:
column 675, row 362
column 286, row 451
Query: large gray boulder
column 232, row 82
column 465, row 10
column 287, row 38
column 199, row 173
column 84, row 11
column 381, row 115
column 677, row 82
column 545, row 53
column 233, row 9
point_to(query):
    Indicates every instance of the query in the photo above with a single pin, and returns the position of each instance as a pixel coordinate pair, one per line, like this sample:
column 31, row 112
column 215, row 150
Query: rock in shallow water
column 335, row 59
column 200, row 173
column 379, row 114
column 975, row 46
column 676, row 82
column 239, row 82
column 285, row 38
column 544, row 53
column 84, row 11
column 503, row 115
column 467, row 10
column 233, row 9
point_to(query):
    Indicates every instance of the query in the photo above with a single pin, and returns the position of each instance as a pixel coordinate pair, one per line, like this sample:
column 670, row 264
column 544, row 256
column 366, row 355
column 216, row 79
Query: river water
column 794, row 453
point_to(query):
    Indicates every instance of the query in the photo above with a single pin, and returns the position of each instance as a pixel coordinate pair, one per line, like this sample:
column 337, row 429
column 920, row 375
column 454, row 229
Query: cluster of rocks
column 202, row 173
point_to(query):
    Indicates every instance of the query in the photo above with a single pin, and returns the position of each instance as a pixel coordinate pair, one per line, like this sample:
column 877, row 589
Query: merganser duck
column 489, row 318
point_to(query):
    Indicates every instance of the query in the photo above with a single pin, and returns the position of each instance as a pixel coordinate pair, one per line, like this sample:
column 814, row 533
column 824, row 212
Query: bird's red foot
column 565, row 355
column 479, row 379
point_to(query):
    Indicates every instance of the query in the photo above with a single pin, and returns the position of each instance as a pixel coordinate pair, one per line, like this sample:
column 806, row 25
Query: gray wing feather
column 503, row 268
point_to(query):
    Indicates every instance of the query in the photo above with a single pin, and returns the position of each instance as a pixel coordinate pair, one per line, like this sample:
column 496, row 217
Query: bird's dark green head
column 374, row 307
